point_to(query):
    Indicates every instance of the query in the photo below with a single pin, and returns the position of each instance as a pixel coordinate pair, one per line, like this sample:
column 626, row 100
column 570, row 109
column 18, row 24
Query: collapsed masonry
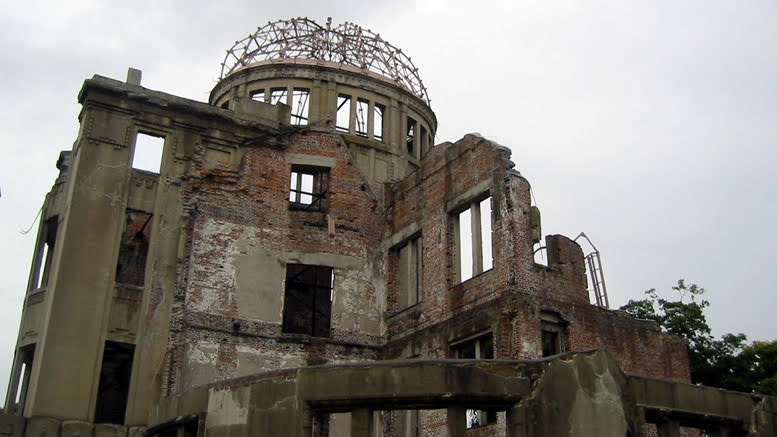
column 303, row 219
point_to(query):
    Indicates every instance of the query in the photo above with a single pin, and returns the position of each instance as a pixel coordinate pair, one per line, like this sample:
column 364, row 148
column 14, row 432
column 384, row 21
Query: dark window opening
column 481, row 347
column 189, row 428
column 553, row 334
column 278, row 95
column 343, row 119
column 257, row 95
column 25, row 356
column 362, row 113
column 307, row 304
column 308, row 187
column 225, row 105
column 409, row 272
column 299, row 106
column 114, row 382
column 45, row 254
column 550, row 343
column 147, row 155
column 377, row 121
column 410, row 138
column 133, row 250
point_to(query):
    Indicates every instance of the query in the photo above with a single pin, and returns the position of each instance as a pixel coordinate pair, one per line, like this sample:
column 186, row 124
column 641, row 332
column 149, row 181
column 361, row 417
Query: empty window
column 409, row 272
column 299, row 106
column 480, row 347
column 133, row 249
column 411, row 134
column 308, row 187
column 362, row 114
column 377, row 121
column 45, row 254
column 114, row 382
column 148, row 152
column 24, row 357
column 278, row 95
column 473, row 238
column 258, row 95
column 343, row 121
column 553, row 334
column 307, row 303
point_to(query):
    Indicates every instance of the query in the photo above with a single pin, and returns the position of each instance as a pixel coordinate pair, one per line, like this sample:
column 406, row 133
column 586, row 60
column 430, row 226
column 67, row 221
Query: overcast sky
column 651, row 126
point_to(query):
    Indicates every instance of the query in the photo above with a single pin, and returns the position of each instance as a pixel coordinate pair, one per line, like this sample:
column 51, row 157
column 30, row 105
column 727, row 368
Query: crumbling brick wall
column 507, row 300
column 241, row 220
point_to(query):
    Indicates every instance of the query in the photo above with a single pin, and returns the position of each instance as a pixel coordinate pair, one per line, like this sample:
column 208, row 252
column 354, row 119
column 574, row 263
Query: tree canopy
column 728, row 362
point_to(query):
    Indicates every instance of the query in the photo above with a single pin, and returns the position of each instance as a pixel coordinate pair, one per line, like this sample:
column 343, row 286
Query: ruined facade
column 303, row 219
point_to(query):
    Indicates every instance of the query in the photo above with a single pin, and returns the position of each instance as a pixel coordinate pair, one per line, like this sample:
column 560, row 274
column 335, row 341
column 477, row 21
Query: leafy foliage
column 726, row 363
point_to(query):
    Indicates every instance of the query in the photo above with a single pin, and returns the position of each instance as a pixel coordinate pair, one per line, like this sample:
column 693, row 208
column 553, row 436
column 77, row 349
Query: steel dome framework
column 347, row 44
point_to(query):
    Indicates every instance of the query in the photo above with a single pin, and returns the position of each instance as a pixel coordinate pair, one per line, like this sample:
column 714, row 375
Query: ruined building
column 302, row 259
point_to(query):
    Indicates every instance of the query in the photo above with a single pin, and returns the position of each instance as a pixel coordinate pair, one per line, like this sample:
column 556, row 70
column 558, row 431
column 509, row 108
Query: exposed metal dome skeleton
column 347, row 44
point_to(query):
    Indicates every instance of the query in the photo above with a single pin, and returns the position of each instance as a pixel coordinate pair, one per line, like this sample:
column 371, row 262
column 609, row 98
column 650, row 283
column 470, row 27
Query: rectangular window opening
column 113, row 388
column 257, row 95
column 480, row 347
column 45, row 254
column 362, row 113
column 148, row 153
column 553, row 333
column 466, row 259
column 343, row 120
column 474, row 240
column 410, row 138
column 377, row 122
column 409, row 272
column 26, row 355
column 278, row 95
column 133, row 248
column 308, row 187
column 486, row 234
column 299, row 106
column 307, row 304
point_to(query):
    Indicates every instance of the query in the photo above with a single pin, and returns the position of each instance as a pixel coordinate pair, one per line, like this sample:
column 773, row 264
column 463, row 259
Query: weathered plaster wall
column 242, row 235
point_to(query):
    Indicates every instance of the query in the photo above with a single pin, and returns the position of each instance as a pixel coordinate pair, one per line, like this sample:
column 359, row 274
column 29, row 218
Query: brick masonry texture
column 242, row 207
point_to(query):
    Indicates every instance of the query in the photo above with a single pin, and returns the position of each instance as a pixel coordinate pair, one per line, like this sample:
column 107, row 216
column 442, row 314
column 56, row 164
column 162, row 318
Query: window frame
column 319, row 187
column 476, row 418
column 553, row 328
column 319, row 292
column 477, row 243
column 409, row 258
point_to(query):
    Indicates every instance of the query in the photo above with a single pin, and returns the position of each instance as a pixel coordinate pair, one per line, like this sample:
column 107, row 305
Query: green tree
column 727, row 362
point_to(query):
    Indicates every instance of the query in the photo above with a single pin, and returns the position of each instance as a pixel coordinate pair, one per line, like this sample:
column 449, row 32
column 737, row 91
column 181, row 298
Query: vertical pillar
column 329, row 104
column 352, row 116
column 457, row 421
column 371, row 119
column 391, row 126
column 668, row 428
column 516, row 419
column 457, row 247
column 477, row 240
column 361, row 422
